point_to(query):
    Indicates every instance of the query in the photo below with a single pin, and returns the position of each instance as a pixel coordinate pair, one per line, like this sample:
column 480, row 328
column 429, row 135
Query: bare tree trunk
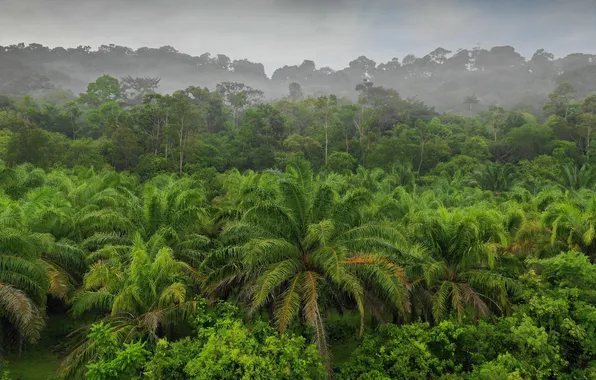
column 157, row 139
column 181, row 159
column 181, row 145
column 589, row 137
column 326, row 140
column 361, row 133
column 20, row 343
column 421, row 156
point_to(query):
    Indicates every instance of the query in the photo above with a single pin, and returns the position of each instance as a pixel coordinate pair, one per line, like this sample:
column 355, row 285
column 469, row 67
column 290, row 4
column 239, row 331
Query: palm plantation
column 299, row 239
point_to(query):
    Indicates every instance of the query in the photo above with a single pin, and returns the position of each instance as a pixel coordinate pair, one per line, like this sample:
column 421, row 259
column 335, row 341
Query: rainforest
column 213, row 233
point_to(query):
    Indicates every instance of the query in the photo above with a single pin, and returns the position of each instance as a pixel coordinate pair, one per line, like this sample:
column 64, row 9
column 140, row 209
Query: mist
column 424, row 49
column 286, row 32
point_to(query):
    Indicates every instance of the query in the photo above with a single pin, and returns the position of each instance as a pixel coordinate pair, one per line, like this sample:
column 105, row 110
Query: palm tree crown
column 307, row 250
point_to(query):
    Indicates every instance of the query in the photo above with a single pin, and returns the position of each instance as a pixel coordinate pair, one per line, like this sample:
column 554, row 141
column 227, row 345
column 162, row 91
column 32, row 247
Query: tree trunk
column 181, row 146
column 588, row 142
column 361, row 133
column 20, row 343
column 421, row 156
column 413, row 315
column 326, row 141
column 157, row 139
column 397, row 318
column 181, row 159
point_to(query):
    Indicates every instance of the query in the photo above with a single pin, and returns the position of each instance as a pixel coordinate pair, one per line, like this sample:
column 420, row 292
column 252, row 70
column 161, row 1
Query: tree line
column 497, row 75
column 128, row 125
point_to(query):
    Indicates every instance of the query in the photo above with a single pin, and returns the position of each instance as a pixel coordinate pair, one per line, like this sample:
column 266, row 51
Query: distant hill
column 441, row 78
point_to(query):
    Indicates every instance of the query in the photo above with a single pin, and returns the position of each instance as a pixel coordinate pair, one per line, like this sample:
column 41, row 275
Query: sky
column 286, row 32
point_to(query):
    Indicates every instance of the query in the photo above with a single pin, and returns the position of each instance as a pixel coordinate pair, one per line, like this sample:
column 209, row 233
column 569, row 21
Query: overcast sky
column 280, row 32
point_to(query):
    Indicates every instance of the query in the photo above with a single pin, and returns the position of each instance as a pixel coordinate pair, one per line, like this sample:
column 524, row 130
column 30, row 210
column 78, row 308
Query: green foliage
column 549, row 335
column 225, row 348
column 232, row 352
column 109, row 361
column 512, row 347
column 105, row 88
column 126, row 211
column 413, row 351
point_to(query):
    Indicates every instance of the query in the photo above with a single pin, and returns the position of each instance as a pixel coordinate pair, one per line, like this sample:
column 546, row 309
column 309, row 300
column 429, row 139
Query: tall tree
column 496, row 120
column 152, row 117
column 104, row 89
column 295, row 92
column 559, row 100
column 185, row 122
column 239, row 96
column 588, row 122
column 135, row 89
column 326, row 107
column 471, row 100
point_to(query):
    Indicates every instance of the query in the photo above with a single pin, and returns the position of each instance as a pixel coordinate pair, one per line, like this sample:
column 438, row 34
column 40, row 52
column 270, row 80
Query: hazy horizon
column 285, row 32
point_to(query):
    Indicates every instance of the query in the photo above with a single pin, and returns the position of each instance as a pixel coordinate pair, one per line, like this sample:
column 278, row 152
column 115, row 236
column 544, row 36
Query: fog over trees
column 443, row 78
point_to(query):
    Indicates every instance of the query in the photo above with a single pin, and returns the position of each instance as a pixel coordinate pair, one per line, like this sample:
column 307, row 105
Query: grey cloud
column 279, row 32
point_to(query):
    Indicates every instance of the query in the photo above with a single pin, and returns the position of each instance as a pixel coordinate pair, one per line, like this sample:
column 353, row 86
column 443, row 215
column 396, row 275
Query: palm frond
column 289, row 303
column 271, row 279
column 312, row 313
column 21, row 311
column 85, row 301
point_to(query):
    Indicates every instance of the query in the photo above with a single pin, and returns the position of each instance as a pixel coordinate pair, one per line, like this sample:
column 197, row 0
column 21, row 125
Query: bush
column 224, row 348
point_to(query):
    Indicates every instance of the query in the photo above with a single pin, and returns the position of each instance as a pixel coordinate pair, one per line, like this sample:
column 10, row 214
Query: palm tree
column 24, row 282
column 572, row 226
column 32, row 263
column 471, row 99
column 174, row 209
column 18, row 180
column 307, row 251
column 496, row 177
column 461, row 269
column 575, row 179
column 144, row 290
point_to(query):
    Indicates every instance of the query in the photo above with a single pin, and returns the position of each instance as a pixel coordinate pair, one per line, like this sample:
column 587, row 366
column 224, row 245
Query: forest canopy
column 215, row 233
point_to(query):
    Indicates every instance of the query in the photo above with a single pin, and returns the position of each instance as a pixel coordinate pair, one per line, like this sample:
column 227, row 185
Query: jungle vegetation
column 212, row 235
